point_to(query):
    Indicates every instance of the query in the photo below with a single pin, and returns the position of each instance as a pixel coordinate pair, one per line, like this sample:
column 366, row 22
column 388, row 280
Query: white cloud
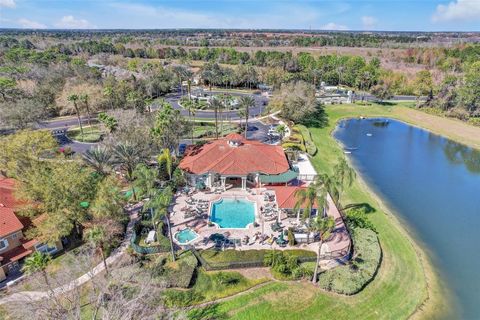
column 333, row 26
column 368, row 22
column 70, row 22
column 458, row 10
column 7, row 3
column 29, row 24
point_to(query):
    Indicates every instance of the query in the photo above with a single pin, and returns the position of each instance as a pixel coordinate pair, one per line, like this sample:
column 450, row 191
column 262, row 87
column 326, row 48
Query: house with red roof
column 237, row 161
column 14, row 247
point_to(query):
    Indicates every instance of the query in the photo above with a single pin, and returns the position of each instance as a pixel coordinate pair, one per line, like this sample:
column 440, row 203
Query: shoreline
column 438, row 294
column 409, row 119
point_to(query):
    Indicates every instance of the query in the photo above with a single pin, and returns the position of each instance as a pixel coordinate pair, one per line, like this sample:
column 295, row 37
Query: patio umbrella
column 217, row 236
column 200, row 185
column 85, row 204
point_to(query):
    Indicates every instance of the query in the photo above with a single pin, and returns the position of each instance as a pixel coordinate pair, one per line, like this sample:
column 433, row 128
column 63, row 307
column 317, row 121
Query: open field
column 406, row 283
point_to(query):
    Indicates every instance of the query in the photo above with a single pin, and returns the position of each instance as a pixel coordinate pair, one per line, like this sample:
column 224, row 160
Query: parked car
column 181, row 149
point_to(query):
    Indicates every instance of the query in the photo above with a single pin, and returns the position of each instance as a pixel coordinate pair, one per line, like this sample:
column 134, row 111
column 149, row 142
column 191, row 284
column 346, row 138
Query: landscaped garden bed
column 248, row 258
column 354, row 276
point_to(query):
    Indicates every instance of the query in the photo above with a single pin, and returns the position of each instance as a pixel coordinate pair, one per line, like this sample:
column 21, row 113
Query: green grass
column 214, row 256
column 400, row 286
column 207, row 129
column 348, row 280
column 210, row 285
column 90, row 134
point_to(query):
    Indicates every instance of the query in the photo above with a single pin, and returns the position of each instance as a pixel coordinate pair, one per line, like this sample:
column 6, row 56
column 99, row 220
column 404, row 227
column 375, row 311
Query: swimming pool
column 185, row 236
column 232, row 213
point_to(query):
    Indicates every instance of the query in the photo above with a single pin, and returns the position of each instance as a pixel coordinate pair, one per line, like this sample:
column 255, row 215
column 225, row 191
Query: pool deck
column 339, row 243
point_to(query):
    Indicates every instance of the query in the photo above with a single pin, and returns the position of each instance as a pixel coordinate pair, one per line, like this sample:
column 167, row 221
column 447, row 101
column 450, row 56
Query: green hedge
column 307, row 139
column 231, row 259
column 176, row 274
column 352, row 278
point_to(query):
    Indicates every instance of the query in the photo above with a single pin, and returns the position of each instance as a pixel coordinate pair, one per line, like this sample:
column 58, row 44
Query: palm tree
column 166, row 156
column 216, row 104
column 344, row 174
column 324, row 226
column 37, row 262
column 306, row 200
column 127, row 157
column 159, row 208
column 145, row 179
column 245, row 103
column 84, row 99
column 329, row 184
column 190, row 106
column 102, row 234
column 100, row 159
column 109, row 93
column 74, row 98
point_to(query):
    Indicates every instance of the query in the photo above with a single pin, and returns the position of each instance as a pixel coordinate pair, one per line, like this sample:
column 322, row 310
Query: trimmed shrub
column 310, row 146
column 176, row 274
column 357, row 218
column 352, row 278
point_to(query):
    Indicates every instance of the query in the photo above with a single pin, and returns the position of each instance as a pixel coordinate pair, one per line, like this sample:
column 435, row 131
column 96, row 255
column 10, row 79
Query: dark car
column 181, row 149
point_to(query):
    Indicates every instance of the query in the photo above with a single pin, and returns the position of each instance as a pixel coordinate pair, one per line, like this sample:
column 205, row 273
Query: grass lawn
column 208, row 285
column 405, row 281
column 90, row 133
column 207, row 129
column 214, row 256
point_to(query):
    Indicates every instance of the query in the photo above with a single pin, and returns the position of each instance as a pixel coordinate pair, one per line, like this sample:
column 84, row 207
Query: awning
column 278, row 178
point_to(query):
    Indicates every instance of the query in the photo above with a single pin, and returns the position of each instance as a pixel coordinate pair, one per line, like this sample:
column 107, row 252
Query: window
column 3, row 244
column 44, row 248
column 14, row 236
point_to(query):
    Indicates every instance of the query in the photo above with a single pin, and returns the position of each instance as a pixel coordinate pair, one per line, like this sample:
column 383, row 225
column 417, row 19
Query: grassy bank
column 405, row 285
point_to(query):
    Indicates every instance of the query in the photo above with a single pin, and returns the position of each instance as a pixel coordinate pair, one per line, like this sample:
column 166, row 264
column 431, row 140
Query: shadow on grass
column 317, row 119
column 367, row 208
column 210, row 312
column 386, row 103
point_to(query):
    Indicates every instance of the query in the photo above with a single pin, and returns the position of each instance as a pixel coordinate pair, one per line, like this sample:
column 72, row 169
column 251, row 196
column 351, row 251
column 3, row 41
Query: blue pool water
column 185, row 236
column 233, row 213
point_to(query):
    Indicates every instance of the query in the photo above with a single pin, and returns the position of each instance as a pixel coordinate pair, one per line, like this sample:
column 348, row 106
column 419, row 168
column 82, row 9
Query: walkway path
column 30, row 296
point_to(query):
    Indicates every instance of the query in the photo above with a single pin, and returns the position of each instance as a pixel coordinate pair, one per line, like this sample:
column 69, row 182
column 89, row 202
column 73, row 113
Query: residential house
column 14, row 247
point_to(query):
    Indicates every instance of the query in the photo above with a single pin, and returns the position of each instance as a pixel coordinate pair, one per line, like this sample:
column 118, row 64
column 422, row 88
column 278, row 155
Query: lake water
column 433, row 183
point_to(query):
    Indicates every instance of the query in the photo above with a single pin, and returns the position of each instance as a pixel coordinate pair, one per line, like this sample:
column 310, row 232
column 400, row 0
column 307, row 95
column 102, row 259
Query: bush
column 227, row 278
column 357, row 218
column 285, row 266
column 176, row 274
column 352, row 278
column 293, row 146
column 177, row 298
column 310, row 146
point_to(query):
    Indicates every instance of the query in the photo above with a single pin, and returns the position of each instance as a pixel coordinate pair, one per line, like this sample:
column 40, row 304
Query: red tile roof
column 285, row 196
column 222, row 157
column 9, row 222
column 7, row 199
column 14, row 255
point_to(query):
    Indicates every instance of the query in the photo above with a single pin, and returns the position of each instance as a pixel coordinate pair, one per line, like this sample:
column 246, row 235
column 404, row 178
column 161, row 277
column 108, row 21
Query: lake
column 432, row 184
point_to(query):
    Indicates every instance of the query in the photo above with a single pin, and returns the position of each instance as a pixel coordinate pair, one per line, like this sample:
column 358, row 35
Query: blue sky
column 398, row 15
